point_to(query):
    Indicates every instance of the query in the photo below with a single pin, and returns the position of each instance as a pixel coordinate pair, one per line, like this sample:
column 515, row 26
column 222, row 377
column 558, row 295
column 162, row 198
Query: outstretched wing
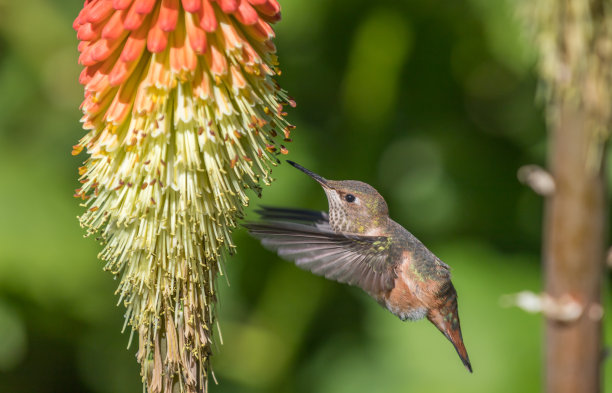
column 304, row 237
column 287, row 214
column 315, row 218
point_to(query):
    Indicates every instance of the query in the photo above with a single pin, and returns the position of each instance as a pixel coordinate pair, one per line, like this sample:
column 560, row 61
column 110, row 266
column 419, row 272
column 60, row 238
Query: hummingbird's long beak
column 322, row 181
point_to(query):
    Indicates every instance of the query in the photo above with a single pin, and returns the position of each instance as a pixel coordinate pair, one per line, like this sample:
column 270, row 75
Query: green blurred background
column 430, row 101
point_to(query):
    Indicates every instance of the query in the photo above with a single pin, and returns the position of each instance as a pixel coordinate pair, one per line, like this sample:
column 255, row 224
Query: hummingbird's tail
column 446, row 319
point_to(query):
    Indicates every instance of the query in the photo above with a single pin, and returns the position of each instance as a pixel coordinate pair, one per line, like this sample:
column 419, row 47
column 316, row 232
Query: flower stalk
column 182, row 117
column 573, row 42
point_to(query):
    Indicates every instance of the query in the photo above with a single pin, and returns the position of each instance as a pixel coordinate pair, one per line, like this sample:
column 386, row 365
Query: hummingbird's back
column 425, row 265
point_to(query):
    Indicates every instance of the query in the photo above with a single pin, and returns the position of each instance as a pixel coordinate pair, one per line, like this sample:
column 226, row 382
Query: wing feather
column 286, row 214
column 305, row 237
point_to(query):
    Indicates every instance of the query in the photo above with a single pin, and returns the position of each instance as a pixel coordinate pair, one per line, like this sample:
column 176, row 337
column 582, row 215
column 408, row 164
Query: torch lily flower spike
column 182, row 116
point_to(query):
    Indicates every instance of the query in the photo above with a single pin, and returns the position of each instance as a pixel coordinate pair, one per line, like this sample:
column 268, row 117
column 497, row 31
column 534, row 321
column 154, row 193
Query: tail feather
column 455, row 337
column 446, row 319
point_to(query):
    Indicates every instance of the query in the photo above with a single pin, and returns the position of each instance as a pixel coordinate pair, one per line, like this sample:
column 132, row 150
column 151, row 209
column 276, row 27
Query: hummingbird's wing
column 317, row 218
column 305, row 216
column 310, row 243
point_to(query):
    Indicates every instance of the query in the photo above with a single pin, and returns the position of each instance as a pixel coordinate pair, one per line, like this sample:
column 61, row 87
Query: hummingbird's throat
column 338, row 216
column 344, row 219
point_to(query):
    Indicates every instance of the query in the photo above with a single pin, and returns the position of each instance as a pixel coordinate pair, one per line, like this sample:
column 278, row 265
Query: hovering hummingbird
column 358, row 244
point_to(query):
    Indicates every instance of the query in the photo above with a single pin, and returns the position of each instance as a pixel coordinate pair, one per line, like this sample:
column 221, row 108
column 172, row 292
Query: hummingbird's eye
column 350, row 198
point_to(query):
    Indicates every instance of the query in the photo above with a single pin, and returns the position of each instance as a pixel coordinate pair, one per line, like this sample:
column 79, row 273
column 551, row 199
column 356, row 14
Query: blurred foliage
column 431, row 102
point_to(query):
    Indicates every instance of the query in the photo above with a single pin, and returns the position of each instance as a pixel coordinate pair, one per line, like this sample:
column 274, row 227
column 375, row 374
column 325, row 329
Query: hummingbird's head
column 354, row 206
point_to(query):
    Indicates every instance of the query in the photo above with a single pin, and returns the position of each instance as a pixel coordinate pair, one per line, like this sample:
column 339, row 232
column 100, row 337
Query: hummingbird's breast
column 405, row 299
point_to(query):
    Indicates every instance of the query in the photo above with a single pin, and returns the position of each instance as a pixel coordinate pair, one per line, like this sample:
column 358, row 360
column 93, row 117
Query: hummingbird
column 356, row 243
